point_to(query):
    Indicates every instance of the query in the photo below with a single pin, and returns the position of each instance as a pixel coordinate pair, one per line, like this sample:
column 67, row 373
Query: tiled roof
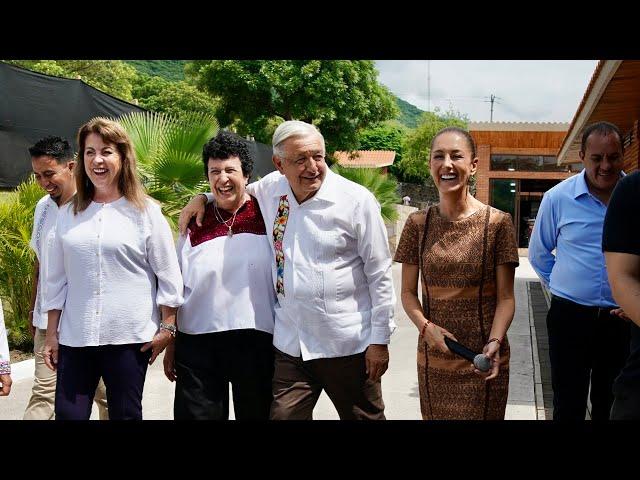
column 366, row 158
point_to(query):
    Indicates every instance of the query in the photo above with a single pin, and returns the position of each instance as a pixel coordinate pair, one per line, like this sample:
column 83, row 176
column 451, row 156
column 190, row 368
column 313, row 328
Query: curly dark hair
column 55, row 147
column 226, row 145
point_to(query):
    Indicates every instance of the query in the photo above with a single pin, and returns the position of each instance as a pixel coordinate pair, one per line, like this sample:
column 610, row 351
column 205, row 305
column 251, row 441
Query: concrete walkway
column 399, row 384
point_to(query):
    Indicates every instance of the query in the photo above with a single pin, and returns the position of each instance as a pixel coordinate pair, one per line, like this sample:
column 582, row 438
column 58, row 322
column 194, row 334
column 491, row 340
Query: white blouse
column 338, row 289
column 5, row 368
column 227, row 280
column 112, row 266
column 44, row 222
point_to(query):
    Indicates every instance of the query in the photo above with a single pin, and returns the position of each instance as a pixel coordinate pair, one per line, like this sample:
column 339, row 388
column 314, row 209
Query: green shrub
column 169, row 154
column 384, row 187
column 16, row 260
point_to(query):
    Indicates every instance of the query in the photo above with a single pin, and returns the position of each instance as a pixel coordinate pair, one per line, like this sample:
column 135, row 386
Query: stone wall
column 424, row 195
column 421, row 195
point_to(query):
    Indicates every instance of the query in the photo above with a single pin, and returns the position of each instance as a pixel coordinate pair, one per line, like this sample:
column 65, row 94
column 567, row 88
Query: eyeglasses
column 301, row 160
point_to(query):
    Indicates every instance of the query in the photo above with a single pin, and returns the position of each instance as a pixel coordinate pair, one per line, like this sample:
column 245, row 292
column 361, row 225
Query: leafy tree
column 414, row 166
column 339, row 96
column 178, row 99
column 386, row 136
column 169, row 154
column 172, row 70
column 114, row 77
column 383, row 187
column 16, row 260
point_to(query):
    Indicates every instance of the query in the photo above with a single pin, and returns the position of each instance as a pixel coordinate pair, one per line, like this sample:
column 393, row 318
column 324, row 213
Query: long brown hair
column 129, row 183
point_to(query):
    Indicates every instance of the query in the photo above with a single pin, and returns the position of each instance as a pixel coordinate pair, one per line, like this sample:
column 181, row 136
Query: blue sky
column 527, row 90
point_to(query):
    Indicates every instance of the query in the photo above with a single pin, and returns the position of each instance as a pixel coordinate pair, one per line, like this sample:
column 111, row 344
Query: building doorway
column 521, row 198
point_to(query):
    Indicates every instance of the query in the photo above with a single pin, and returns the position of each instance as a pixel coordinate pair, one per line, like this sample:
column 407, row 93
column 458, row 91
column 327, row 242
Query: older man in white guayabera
column 332, row 272
column 52, row 162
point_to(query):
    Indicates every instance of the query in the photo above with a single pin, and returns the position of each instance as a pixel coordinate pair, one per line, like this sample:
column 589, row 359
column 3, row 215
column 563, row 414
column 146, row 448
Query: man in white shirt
column 52, row 163
column 332, row 272
column 5, row 367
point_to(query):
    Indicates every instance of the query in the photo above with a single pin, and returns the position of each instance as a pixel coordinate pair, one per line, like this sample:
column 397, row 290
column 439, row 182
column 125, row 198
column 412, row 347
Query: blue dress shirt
column 570, row 221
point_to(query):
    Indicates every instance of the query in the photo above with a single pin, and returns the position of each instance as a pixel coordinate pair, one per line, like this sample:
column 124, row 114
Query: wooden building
column 517, row 164
column 613, row 95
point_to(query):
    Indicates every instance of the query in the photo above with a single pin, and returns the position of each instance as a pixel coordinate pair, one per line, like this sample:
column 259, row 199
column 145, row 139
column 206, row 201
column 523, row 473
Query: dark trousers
column 123, row 369
column 297, row 385
column 585, row 344
column 626, row 405
column 207, row 363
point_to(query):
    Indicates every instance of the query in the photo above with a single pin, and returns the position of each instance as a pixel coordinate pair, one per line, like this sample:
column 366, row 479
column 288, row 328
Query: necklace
column 233, row 219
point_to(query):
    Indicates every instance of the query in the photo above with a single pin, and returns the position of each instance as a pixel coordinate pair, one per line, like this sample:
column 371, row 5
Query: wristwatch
column 169, row 328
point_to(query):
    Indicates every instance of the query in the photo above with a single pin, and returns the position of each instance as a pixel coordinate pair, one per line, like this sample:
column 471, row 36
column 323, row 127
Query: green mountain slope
column 409, row 114
column 172, row 70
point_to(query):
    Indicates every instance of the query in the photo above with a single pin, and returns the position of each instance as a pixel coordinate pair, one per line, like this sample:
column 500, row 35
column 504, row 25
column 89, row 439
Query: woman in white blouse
column 5, row 368
column 112, row 263
column 225, row 325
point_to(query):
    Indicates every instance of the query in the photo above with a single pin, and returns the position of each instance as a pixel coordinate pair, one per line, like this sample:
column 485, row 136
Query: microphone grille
column 482, row 362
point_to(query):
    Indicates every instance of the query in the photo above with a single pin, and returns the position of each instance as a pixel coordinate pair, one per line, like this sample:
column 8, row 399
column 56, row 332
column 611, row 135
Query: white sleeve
column 161, row 253
column 5, row 368
column 263, row 188
column 36, row 216
column 182, row 240
column 54, row 293
column 373, row 248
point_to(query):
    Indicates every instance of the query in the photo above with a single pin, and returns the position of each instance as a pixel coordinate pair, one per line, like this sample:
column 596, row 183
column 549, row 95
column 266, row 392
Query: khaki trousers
column 42, row 402
column 297, row 385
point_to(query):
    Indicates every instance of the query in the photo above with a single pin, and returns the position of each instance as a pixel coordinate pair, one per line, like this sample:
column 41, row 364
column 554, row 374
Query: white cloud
column 527, row 90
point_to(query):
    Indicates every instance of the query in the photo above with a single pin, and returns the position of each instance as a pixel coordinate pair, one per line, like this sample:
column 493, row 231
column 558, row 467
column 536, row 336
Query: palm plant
column 169, row 154
column 16, row 260
column 384, row 187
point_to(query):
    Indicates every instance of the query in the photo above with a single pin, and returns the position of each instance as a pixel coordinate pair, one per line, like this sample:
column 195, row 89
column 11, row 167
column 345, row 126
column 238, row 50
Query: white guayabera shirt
column 338, row 290
column 44, row 222
column 111, row 268
column 5, row 368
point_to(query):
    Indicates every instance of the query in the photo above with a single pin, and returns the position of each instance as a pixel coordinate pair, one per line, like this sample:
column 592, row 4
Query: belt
column 594, row 309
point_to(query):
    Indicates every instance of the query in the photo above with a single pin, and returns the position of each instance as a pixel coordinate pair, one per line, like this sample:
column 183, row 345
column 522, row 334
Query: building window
column 503, row 195
column 526, row 163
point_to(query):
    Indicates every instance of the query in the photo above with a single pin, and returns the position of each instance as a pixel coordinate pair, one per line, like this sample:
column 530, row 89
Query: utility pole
column 493, row 99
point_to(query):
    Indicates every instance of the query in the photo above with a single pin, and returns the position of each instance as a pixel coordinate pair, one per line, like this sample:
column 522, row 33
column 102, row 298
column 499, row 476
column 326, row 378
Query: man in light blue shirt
column 588, row 339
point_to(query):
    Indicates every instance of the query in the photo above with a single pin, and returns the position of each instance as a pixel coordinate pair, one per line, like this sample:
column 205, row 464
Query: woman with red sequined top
column 225, row 326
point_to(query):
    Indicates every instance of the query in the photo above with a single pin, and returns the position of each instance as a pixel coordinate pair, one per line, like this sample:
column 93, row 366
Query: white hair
column 292, row 128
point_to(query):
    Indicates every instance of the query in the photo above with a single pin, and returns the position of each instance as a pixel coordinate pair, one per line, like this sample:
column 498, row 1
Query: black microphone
column 481, row 361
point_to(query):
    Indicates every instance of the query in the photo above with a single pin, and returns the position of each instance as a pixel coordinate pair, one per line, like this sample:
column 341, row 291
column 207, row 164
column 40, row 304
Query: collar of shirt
column 582, row 188
column 326, row 193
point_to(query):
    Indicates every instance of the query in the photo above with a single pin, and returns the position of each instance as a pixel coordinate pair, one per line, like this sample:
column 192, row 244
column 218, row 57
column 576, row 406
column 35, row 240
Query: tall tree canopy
column 114, row 77
column 339, row 96
column 178, row 99
column 386, row 136
column 414, row 166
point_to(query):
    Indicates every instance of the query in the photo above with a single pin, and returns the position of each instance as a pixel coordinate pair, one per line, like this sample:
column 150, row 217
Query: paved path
column 399, row 384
